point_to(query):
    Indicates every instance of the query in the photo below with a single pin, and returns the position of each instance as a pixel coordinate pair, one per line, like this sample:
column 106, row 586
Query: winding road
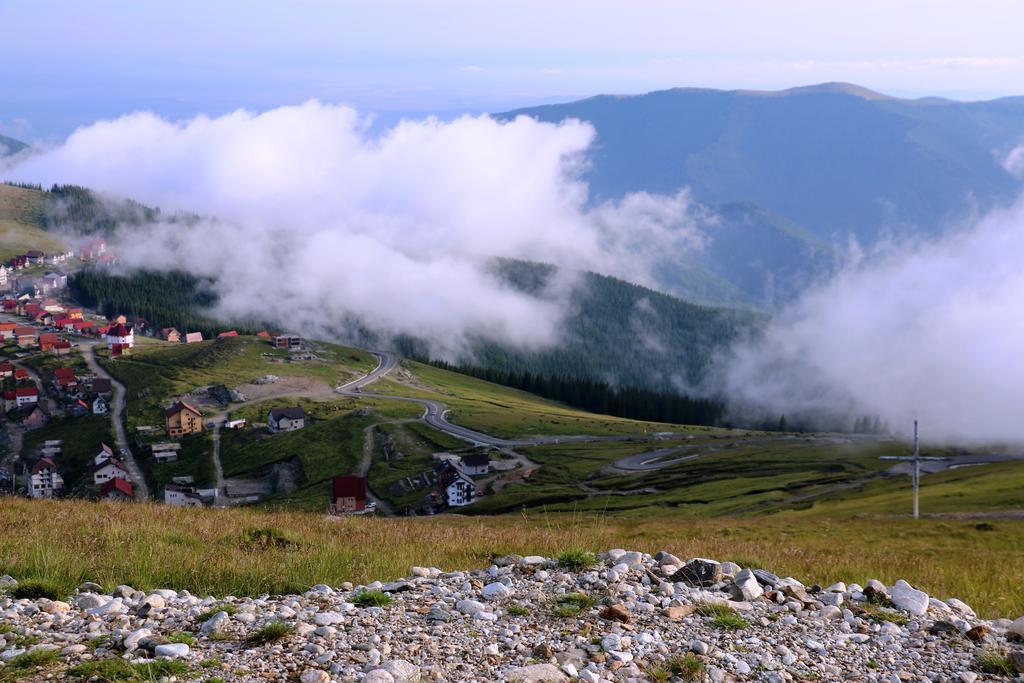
column 117, row 403
column 435, row 414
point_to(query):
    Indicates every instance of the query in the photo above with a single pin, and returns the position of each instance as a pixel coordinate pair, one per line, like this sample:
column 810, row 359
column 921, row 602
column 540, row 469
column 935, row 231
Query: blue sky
column 68, row 63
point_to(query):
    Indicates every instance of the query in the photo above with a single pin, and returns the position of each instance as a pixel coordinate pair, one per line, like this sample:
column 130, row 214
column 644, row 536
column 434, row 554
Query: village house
column 107, row 470
column 348, row 495
column 44, row 481
column 99, row 406
column 286, row 419
column 64, row 379
column 37, row 418
column 183, row 419
column 288, row 342
column 98, row 385
column 229, row 333
column 20, row 397
column 21, row 375
column 47, row 341
column 35, row 257
column 7, row 330
column 476, row 463
column 165, row 452
column 61, row 348
column 182, row 496
column 51, row 281
column 26, row 336
column 193, row 337
column 93, row 250
column 120, row 338
column 238, row 423
column 6, row 370
column 116, row 489
column 169, row 334
column 4, row 275
column 454, row 487
column 79, row 408
column 104, row 453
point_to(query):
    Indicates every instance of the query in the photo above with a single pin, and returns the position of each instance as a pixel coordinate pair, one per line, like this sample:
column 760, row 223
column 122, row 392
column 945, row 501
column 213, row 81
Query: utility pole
column 916, row 476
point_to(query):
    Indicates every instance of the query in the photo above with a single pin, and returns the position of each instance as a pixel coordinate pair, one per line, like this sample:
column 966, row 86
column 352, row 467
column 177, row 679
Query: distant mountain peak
column 831, row 88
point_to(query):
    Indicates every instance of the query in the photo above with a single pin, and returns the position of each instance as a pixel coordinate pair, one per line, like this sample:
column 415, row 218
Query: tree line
column 600, row 397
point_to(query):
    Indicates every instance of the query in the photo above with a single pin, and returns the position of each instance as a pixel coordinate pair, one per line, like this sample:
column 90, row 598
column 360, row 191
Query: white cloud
column 472, row 69
column 931, row 331
column 320, row 219
column 1014, row 162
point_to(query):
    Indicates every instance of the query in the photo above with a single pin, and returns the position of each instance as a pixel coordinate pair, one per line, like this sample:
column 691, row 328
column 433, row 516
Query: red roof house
column 116, row 489
column 348, row 494
column 64, row 377
column 230, row 333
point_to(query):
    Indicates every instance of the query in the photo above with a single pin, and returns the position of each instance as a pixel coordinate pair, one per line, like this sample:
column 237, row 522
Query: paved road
column 435, row 414
column 117, row 419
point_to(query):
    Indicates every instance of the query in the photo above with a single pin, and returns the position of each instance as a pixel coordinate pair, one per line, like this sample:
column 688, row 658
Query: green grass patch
column 34, row 590
column 118, row 670
column 995, row 662
column 722, row 616
column 688, row 668
column 573, row 604
column 183, row 637
column 517, row 611
column 371, row 599
column 269, row 633
column 577, row 560
column 19, row 667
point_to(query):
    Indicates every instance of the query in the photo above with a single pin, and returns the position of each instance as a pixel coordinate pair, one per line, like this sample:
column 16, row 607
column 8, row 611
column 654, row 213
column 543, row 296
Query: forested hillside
column 615, row 332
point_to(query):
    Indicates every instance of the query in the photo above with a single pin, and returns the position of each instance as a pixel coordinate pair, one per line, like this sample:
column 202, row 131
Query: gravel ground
column 625, row 617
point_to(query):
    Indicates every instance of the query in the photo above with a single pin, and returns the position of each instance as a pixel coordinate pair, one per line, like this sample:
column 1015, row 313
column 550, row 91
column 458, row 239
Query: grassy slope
column 204, row 551
column 510, row 413
column 19, row 223
column 160, row 372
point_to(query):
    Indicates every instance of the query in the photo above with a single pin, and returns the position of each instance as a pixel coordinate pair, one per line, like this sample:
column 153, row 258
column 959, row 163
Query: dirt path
column 117, row 405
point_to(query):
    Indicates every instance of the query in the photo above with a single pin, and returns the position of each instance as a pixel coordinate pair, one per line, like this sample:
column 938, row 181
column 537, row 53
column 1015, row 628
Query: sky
column 67, row 63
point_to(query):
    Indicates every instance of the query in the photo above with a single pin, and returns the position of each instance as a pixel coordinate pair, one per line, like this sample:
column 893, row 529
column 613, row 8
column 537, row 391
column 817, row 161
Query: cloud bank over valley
column 318, row 220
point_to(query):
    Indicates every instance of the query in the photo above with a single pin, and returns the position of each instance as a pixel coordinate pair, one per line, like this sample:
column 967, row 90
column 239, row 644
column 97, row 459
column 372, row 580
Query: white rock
column 173, row 650
column 90, row 600
column 378, row 676
column 746, row 585
column 1016, row 627
column 961, row 607
column 470, row 606
column 328, row 618
column 131, row 641
column 115, row 606
column 214, row 624
column 314, row 676
column 533, row 561
column 589, row 676
column 401, row 670
column 908, row 598
column 536, row 673
column 495, row 591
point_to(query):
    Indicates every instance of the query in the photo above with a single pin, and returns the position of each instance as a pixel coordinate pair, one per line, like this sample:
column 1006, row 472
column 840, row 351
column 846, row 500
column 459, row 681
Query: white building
column 476, row 464
column 44, row 481
column 455, row 487
column 120, row 336
column 107, row 470
column 286, row 419
column 182, row 496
